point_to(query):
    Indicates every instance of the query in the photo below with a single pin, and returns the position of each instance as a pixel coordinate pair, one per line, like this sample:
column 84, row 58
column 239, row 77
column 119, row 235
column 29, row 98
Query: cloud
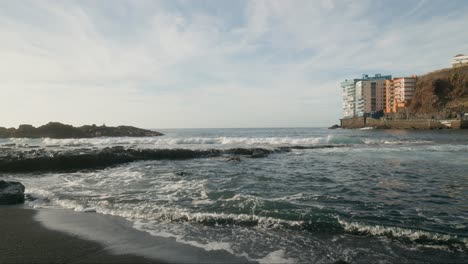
column 213, row 63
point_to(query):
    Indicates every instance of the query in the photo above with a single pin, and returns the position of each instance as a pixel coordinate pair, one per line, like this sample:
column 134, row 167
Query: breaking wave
column 405, row 234
column 165, row 142
column 318, row 222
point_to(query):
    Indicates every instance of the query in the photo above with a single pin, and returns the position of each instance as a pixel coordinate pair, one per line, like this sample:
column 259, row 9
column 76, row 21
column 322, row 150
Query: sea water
column 369, row 196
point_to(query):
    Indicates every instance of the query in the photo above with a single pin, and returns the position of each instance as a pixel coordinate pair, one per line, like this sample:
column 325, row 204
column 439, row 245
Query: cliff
column 441, row 94
column 59, row 130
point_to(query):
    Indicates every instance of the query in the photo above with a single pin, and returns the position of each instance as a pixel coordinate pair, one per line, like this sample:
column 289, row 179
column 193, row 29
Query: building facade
column 399, row 93
column 459, row 60
column 370, row 97
column 349, row 97
column 364, row 96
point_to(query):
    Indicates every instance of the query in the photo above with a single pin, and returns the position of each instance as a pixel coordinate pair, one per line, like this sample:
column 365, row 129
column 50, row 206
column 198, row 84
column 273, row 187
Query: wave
column 318, row 222
column 150, row 142
column 405, row 234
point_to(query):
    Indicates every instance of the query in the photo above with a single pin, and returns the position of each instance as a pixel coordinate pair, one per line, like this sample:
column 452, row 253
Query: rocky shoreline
column 15, row 161
column 59, row 130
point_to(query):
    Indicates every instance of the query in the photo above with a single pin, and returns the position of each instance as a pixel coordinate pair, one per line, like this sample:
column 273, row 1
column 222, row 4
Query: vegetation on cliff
column 441, row 94
column 59, row 130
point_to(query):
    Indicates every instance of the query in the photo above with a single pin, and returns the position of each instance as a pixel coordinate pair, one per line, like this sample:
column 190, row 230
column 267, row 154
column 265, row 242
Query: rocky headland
column 441, row 94
column 59, row 130
column 440, row 101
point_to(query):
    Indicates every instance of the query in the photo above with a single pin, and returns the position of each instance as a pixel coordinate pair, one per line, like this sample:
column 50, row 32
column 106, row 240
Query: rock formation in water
column 23, row 160
column 11, row 192
column 59, row 130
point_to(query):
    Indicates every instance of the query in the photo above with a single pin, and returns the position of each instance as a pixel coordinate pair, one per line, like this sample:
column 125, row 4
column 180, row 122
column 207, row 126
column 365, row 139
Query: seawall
column 361, row 122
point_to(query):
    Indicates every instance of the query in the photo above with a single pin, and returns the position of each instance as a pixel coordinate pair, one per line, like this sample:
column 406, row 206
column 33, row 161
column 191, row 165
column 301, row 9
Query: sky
column 218, row 63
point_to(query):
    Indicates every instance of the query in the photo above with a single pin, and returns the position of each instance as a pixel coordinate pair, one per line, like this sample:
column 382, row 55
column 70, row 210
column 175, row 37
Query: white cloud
column 279, row 66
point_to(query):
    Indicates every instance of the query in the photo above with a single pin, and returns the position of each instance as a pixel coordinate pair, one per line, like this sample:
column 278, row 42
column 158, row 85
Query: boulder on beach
column 11, row 192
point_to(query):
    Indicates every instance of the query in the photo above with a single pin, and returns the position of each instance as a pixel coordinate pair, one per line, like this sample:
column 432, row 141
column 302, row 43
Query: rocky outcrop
column 11, row 192
column 334, row 127
column 59, row 130
column 441, row 94
column 12, row 161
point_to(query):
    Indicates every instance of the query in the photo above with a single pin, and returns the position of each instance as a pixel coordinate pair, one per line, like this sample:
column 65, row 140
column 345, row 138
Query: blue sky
column 219, row 63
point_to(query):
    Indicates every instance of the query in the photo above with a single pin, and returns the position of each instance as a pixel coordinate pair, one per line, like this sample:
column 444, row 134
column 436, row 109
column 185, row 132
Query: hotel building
column 399, row 93
column 364, row 96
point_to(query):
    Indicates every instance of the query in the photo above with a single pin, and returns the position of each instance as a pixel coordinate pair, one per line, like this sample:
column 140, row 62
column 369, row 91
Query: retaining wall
column 360, row 122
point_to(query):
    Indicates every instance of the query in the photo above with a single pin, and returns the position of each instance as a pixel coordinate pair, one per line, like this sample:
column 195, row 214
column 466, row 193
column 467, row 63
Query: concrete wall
column 464, row 125
column 404, row 124
column 360, row 122
column 355, row 122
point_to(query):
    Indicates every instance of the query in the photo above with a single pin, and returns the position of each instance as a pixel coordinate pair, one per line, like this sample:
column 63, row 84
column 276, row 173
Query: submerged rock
column 233, row 159
column 11, row 192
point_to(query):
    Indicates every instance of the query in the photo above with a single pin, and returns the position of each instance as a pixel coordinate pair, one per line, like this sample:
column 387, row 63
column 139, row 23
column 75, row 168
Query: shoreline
column 419, row 124
column 25, row 240
column 64, row 236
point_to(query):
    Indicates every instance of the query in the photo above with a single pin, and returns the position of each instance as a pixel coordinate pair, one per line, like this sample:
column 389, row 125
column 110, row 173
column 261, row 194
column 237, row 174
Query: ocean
column 277, row 195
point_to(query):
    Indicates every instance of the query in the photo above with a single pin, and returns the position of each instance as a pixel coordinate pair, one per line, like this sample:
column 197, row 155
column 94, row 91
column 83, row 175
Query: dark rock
column 334, row 127
column 11, row 192
column 259, row 154
column 34, row 160
column 340, row 261
column 59, row 130
column 233, row 159
column 29, row 197
column 252, row 152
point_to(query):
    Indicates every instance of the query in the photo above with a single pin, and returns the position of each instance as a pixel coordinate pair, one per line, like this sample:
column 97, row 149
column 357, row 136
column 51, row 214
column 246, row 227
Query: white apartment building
column 349, row 96
column 360, row 97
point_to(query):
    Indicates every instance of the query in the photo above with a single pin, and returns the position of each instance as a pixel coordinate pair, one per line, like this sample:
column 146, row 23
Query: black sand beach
column 24, row 240
column 64, row 236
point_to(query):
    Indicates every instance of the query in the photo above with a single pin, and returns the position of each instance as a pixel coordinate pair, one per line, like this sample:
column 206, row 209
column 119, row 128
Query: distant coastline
column 384, row 123
column 435, row 100
column 59, row 130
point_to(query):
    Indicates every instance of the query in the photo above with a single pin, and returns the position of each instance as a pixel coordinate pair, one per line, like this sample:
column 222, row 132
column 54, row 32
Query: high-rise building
column 370, row 96
column 364, row 96
column 400, row 92
column 349, row 97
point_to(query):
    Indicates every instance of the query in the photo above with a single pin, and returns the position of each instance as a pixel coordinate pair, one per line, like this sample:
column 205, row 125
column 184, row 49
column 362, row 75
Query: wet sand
column 24, row 240
column 64, row 236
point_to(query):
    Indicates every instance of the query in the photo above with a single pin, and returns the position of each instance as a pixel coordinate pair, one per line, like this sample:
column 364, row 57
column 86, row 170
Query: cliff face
column 58, row 130
column 441, row 94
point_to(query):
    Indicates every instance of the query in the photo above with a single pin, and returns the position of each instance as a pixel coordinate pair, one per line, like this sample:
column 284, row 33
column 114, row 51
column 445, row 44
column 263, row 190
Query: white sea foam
column 209, row 246
column 276, row 257
column 152, row 141
column 150, row 211
column 167, row 142
column 405, row 233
